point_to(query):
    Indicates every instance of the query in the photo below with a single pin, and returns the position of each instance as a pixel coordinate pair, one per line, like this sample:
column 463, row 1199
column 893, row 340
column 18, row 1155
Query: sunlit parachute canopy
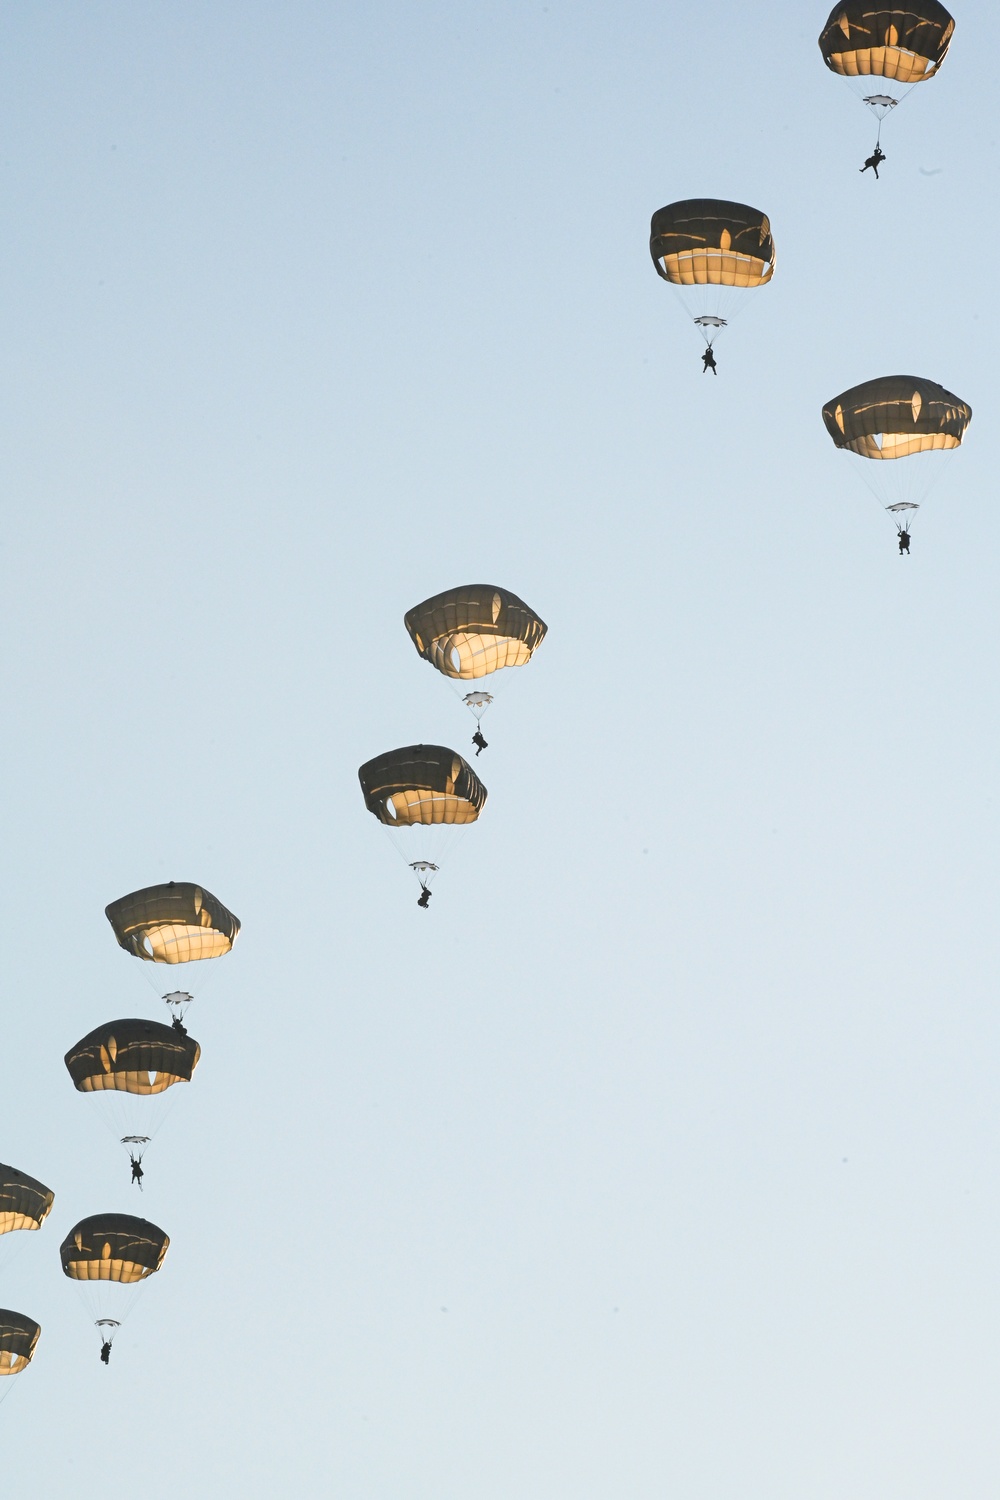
column 18, row 1337
column 907, row 44
column 472, row 631
column 421, row 784
column 173, row 923
column 709, row 242
column 24, row 1202
column 136, row 1057
column 895, row 416
column 113, row 1247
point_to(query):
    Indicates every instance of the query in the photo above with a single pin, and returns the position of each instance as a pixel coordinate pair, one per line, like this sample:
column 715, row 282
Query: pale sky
column 658, row 1160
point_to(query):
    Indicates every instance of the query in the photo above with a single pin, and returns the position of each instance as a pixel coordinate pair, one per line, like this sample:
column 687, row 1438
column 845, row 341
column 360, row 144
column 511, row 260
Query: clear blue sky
column 660, row 1157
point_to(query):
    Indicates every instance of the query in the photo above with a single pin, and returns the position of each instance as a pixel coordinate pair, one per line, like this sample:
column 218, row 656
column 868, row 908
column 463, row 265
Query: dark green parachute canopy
column 421, row 784
column 469, row 632
column 136, row 1057
column 863, row 39
column 173, row 923
column 18, row 1337
column 709, row 242
column 24, row 1203
column 895, row 416
column 113, row 1247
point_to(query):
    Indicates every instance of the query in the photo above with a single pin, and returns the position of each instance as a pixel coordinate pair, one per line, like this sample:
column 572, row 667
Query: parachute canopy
column 895, row 416
column 18, row 1337
column 24, row 1203
column 421, row 784
column 907, row 44
column 113, row 1247
column 137, row 1057
column 709, row 242
column 472, row 631
column 173, row 923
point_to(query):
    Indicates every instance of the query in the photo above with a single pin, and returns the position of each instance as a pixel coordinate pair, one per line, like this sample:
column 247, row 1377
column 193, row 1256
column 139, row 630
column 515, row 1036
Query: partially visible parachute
column 18, row 1337
column 173, row 923
column 24, row 1202
column 713, row 251
column 469, row 633
column 427, row 788
column 130, row 1064
column 904, row 45
column 897, row 417
column 907, row 43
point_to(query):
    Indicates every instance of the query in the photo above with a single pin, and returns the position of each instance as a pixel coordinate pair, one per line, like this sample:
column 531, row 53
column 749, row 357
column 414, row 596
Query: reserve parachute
column 712, row 252
column 894, row 418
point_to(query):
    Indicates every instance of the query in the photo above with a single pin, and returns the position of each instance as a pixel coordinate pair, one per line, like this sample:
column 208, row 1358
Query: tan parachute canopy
column 173, row 923
column 136, row 1057
column 421, row 784
column 862, row 39
column 473, row 631
column 709, row 242
column 113, row 1247
column 24, row 1203
column 895, row 416
column 18, row 1337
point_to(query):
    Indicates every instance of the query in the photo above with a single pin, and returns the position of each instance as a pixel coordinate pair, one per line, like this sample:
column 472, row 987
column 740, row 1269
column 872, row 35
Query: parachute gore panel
column 472, row 631
column 18, row 1337
column 137, row 1057
column 113, row 1247
column 907, row 44
column 709, row 242
column 170, row 924
column 24, row 1203
column 421, row 784
column 896, row 415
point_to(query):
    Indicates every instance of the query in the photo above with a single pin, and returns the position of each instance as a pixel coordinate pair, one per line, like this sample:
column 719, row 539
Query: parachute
column 18, row 1337
column 175, row 923
column 172, row 923
column 113, row 1248
column 713, row 251
column 896, row 417
column 428, row 788
column 906, row 46
column 130, row 1064
column 469, row 633
column 421, row 784
column 111, row 1256
column 24, row 1202
column 137, row 1057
